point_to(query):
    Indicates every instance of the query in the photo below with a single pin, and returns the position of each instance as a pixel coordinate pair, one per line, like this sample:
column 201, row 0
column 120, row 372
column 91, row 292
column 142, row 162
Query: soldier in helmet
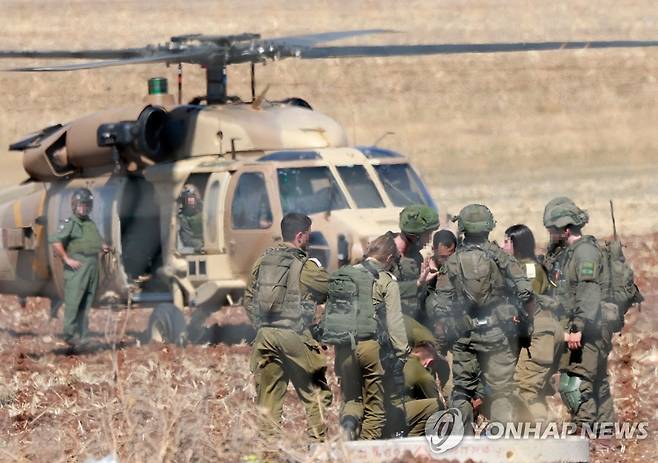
column 77, row 242
column 190, row 218
column 577, row 276
column 417, row 223
column 484, row 281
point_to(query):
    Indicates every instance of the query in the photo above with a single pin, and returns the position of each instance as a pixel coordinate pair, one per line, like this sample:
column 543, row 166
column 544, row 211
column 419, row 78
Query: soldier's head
column 475, row 221
column 383, row 250
column 82, row 202
column 519, row 242
column 444, row 245
column 296, row 229
column 563, row 219
column 417, row 223
column 190, row 199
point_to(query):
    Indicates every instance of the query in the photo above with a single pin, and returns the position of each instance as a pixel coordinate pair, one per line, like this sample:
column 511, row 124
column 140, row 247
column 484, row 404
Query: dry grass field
column 508, row 130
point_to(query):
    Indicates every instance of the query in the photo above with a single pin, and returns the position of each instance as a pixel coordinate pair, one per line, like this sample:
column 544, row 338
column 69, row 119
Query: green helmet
column 418, row 218
column 561, row 211
column 475, row 218
column 557, row 201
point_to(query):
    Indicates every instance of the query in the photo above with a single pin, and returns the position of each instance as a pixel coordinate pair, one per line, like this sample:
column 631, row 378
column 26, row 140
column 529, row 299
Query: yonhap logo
column 444, row 430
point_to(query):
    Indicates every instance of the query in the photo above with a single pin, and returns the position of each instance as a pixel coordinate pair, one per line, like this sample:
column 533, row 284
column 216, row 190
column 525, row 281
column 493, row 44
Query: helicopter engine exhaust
column 132, row 135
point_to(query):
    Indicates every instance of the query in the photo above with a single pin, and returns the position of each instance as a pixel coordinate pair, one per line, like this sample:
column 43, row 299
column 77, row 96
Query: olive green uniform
column 490, row 349
column 360, row 370
column 284, row 349
column 191, row 229
column 540, row 360
column 82, row 242
column 407, row 271
column 579, row 284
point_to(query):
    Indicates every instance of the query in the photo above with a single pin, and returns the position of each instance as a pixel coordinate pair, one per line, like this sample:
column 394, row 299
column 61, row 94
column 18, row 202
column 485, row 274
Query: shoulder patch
column 315, row 261
column 586, row 269
column 530, row 271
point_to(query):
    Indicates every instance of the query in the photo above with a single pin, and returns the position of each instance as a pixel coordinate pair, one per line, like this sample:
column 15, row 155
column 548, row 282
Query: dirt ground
column 508, row 130
column 166, row 403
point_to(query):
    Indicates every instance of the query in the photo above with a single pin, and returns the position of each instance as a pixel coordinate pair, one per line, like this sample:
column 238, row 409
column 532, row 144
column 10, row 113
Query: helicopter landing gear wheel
column 166, row 325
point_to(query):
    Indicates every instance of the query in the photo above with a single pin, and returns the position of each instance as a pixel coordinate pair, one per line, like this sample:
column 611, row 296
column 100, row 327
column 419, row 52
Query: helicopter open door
column 252, row 218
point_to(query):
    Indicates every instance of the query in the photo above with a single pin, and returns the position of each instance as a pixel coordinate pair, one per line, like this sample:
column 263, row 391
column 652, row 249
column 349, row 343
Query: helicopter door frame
column 245, row 245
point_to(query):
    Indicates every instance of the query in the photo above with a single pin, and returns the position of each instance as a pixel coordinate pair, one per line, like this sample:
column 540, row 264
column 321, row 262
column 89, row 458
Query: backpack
column 619, row 284
column 476, row 274
column 278, row 294
column 350, row 312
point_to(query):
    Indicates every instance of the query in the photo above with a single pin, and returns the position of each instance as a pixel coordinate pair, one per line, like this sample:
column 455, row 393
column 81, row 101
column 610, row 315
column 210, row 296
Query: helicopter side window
column 360, row 186
column 403, row 185
column 309, row 190
column 250, row 208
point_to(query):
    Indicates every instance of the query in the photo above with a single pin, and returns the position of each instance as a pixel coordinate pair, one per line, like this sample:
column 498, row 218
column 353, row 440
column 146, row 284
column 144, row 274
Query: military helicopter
column 250, row 162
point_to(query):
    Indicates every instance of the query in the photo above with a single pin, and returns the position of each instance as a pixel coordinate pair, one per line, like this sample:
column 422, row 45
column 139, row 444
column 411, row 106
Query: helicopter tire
column 166, row 325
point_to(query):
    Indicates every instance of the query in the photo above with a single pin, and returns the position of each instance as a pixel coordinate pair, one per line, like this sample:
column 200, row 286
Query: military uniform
column 579, row 291
column 191, row 229
column 360, row 370
column 284, row 349
column 579, row 274
column 539, row 361
column 82, row 242
column 490, row 347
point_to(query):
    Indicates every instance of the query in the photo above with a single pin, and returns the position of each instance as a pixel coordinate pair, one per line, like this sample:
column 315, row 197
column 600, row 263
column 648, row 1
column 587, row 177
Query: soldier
column 578, row 276
column 484, row 279
column 77, row 242
column 539, row 360
column 284, row 287
column 190, row 217
column 363, row 308
column 417, row 222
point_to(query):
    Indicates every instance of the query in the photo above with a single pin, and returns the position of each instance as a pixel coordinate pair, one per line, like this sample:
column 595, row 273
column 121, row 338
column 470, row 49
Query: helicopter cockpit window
column 250, row 208
column 309, row 190
column 403, row 185
column 360, row 186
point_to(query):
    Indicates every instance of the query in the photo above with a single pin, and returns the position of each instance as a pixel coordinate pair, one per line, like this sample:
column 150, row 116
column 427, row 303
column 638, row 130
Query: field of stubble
column 508, row 130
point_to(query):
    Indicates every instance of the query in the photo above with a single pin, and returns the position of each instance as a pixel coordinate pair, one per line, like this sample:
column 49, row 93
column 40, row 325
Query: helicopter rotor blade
column 82, row 54
column 188, row 56
column 440, row 49
column 310, row 40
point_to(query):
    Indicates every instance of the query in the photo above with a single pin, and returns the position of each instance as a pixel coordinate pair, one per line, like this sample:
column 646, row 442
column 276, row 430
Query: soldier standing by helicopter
column 78, row 243
column 284, row 287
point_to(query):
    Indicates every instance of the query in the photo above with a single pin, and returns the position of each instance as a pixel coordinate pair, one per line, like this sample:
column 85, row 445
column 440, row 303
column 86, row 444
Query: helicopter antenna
column 253, row 81
column 180, row 83
column 386, row 134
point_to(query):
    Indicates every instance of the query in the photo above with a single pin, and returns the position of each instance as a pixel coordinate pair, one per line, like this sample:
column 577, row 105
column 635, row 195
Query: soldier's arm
column 587, row 264
column 316, row 279
column 59, row 242
column 249, row 293
column 516, row 274
column 394, row 322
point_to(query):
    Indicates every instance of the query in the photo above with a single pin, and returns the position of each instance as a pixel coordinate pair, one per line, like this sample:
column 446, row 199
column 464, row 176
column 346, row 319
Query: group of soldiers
column 475, row 326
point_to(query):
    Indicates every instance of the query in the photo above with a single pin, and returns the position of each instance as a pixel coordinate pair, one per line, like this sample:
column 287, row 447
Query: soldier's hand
column 105, row 248
column 74, row 264
column 426, row 273
column 574, row 340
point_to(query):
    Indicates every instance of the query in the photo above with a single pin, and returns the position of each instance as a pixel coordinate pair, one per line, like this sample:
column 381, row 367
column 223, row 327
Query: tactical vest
column 85, row 239
column 407, row 272
column 479, row 280
column 350, row 313
column 278, row 293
